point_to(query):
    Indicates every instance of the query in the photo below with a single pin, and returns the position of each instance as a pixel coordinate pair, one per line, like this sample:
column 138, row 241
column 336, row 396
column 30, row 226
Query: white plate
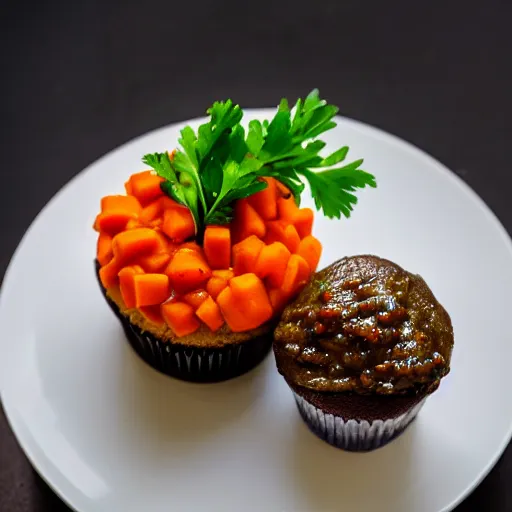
column 110, row 433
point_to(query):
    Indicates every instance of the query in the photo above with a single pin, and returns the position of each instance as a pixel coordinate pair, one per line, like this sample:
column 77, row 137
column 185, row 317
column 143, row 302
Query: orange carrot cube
column 217, row 246
column 126, row 284
column 150, row 289
column 180, row 317
column 209, row 312
column 188, row 271
column 178, row 224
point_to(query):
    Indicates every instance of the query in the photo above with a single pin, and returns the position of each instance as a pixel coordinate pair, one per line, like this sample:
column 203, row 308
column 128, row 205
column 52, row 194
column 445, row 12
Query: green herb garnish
column 222, row 163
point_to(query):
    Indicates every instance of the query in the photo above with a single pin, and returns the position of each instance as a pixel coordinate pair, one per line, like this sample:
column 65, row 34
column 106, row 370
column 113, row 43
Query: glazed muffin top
column 365, row 325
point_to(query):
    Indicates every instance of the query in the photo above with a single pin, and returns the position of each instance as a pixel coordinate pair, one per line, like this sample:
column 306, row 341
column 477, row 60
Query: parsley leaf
column 255, row 137
column 221, row 163
column 332, row 189
column 239, row 181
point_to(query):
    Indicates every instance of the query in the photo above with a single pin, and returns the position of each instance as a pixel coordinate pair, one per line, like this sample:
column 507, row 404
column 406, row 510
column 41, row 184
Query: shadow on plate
column 182, row 413
column 332, row 479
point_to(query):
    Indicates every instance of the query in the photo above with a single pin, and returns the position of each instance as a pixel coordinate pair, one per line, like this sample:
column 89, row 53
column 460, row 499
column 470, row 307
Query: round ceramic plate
column 109, row 433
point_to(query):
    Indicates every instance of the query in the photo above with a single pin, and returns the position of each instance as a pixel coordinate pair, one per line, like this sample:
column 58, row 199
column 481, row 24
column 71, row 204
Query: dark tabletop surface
column 78, row 78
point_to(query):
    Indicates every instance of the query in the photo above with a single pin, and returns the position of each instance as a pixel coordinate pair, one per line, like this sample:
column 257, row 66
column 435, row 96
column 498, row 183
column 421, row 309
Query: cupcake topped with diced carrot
column 208, row 246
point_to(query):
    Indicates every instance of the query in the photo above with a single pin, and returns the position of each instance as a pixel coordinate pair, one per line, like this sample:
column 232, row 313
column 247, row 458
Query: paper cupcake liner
column 193, row 363
column 196, row 363
column 351, row 434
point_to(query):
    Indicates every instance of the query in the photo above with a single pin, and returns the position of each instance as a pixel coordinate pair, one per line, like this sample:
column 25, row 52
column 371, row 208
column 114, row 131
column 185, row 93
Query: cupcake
column 204, row 250
column 362, row 347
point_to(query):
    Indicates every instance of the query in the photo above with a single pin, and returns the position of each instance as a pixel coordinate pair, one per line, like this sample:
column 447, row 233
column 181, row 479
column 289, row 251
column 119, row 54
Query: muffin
column 201, row 254
column 199, row 312
column 362, row 347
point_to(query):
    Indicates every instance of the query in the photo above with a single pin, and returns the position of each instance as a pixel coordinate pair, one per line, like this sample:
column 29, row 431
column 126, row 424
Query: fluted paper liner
column 351, row 434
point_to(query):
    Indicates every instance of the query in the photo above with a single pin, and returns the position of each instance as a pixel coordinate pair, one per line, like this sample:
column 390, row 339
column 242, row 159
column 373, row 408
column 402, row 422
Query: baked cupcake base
column 187, row 362
column 356, row 422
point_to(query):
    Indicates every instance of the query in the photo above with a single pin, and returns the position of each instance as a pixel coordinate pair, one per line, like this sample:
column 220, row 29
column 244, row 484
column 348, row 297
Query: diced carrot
column 113, row 222
column 193, row 246
column 215, row 285
column 247, row 287
column 264, row 202
column 167, row 203
column 311, row 250
column 226, row 274
column 277, row 299
column 116, row 212
column 247, row 222
column 282, row 231
column 246, row 305
column 291, row 238
column 163, row 241
column 152, row 314
column 187, row 271
column 195, row 298
column 275, row 231
column 234, row 316
column 164, row 244
column 209, row 313
column 156, row 223
column 150, row 289
column 178, row 224
column 303, row 222
column 104, row 249
column 296, row 275
column 245, row 254
column 287, row 209
column 146, row 187
column 128, row 187
column 217, row 246
column 108, row 273
column 272, row 263
column 126, row 284
column 154, row 263
column 133, row 224
column 120, row 203
column 154, row 210
column 151, row 212
column 135, row 243
column 180, row 317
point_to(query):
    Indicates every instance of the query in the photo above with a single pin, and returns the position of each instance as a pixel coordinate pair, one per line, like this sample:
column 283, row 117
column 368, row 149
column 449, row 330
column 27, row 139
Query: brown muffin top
column 365, row 325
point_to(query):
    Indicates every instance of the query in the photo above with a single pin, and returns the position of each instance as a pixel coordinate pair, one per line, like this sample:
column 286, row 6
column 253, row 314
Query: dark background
column 78, row 78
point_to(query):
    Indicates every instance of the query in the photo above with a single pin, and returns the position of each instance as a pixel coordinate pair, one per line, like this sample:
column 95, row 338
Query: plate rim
column 365, row 128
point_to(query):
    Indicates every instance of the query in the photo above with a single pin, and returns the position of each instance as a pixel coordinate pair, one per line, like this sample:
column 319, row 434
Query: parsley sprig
column 222, row 163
